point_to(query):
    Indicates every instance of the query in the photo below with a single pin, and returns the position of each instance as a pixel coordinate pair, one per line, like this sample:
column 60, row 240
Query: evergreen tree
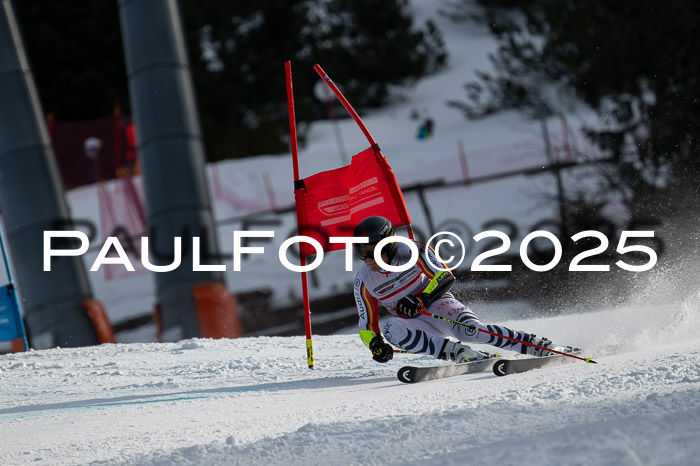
column 236, row 51
column 76, row 55
column 632, row 61
column 365, row 45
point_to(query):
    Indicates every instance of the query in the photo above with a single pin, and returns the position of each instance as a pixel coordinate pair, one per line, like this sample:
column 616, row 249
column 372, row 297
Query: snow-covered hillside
column 253, row 401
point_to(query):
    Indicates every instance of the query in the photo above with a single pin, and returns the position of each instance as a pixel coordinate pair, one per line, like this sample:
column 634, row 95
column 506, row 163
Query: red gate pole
column 358, row 120
column 347, row 106
column 302, row 257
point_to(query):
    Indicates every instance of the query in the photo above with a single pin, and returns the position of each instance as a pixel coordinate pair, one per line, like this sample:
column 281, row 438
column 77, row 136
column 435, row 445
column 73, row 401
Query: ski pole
column 401, row 351
column 474, row 327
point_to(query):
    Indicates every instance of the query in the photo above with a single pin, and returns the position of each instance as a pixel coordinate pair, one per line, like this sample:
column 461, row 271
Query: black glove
column 381, row 351
column 408, row 306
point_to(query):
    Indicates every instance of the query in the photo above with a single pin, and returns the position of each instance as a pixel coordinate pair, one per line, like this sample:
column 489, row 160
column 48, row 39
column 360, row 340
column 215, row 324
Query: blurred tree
column 632, row 61
column 366, row 46
column 75, row 52
column 237, row 51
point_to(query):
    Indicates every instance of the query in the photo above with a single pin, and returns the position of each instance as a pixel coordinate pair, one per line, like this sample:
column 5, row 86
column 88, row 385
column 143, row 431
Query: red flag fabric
column 332, row 203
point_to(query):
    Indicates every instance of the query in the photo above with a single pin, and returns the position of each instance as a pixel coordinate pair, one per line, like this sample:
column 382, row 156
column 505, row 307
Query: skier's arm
column 368, row 312
column 440, row 283
column 440, row 280
column 438, row 286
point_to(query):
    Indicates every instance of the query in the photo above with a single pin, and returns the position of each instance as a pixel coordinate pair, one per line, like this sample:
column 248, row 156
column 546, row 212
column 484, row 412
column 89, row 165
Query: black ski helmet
column 375, row 228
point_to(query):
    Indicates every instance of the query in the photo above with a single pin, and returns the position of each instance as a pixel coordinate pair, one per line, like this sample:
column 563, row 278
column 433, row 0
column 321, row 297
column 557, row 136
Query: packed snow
column 254, row 401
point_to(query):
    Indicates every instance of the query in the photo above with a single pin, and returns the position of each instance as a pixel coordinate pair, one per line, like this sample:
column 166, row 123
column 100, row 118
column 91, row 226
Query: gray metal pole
column 31, row 200
column 171, row 154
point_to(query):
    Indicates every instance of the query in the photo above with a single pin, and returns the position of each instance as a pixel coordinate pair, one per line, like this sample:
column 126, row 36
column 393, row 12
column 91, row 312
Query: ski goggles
column 365, row 251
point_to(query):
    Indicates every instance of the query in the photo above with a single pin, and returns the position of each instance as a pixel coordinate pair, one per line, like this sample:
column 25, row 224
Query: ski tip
column 500, row 368
column 405, row 374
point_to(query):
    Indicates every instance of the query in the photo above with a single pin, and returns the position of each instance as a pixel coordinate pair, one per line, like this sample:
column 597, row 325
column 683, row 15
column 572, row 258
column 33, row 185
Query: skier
column 423, row 286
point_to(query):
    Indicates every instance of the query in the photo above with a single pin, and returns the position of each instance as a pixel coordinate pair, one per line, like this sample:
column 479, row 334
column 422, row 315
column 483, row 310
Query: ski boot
column 458, row 352
column 544, row 343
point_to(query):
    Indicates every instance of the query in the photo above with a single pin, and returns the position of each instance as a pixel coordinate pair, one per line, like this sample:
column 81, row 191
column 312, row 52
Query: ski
column 516, row 366
column 413, row 374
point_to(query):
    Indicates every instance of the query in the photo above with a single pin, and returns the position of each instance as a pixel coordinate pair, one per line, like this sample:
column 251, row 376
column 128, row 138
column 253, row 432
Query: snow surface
column 254, row 401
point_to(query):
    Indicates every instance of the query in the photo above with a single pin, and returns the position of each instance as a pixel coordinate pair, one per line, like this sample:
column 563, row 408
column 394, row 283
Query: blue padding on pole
column 11, row 326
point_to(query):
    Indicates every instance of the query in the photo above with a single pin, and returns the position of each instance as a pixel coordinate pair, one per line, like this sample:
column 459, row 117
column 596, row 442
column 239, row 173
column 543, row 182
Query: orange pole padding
column 217, row 311
column 100, row 322
column 17, row 345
